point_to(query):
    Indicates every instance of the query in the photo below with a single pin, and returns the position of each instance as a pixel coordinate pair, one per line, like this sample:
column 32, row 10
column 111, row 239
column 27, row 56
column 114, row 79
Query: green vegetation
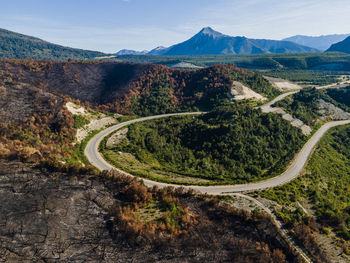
column 165, row 90
column 341, row 97
column 325, row 185
column 167, row 211
column 80, row 121
column 77, row 156
column 14, row 45
column 299, row 61
column 173, row 211
column 304, row 105
column 308, row 77
column 156, row 100
column 231, row 144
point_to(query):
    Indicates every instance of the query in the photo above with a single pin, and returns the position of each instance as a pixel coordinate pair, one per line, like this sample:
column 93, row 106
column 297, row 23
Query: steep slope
column 52, row 216
column 33, row 94
column 319, row 42
column 343, row 46
column 138, row 88
column 276, row 46
column 15, row 45
column 209, row 41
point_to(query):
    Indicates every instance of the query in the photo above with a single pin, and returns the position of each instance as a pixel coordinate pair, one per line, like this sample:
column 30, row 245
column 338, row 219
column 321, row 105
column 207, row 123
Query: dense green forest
column 304, row 105
column 14, row 45
column 308, row 77
column 231, row 144
column 325, row 185
column 341, row 97
column 300, row 61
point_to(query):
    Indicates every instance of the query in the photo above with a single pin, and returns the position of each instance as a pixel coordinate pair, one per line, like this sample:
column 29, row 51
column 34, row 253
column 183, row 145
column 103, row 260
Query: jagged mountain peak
column 208, row 31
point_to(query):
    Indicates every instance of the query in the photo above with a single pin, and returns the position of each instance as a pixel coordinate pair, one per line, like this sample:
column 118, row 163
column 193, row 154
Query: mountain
column 158, row 51
column 343, row 46
column 131, row 52
column 15, row 45
column 278, row 46
column 209, row 41
column 319, row 42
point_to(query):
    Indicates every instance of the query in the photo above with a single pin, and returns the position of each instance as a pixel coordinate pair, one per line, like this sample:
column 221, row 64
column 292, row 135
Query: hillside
column 323, row 191
column 343, row 46
column 33, row 93
column 209, row 149
column 134, row 88
column 15, row 45
column 72, row 217
column 37, row 128
column 209, row 41
column 67, row 212
column 319, row 42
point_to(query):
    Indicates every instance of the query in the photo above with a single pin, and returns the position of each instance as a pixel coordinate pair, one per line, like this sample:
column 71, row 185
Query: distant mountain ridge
column 343, row 46
column 15, row 45
column 209, row 41
column 319, row 42
column 131, row 52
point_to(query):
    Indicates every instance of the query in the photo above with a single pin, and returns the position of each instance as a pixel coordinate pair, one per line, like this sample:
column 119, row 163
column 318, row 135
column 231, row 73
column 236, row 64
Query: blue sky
column 111, row 25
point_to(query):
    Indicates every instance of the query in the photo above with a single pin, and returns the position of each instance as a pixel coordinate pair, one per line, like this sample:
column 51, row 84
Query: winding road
column 293, row 171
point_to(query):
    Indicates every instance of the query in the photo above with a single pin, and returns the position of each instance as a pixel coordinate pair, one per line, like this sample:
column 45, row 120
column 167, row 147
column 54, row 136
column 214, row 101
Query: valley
column 88, row 101
column 174, row 131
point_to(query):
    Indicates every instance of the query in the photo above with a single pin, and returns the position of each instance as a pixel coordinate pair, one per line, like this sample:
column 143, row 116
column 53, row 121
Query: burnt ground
column 48, row 216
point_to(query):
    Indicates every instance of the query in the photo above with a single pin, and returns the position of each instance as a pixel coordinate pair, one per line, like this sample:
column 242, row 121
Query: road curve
column 293, row 171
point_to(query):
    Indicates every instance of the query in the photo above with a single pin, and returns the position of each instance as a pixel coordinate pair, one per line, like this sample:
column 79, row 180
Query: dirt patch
column 94, row 125
column 330, row 111
column 282, row 84
column 185, row 65
column 116, row 138
column 97, row 120
column 75, row 109
column 241, row 92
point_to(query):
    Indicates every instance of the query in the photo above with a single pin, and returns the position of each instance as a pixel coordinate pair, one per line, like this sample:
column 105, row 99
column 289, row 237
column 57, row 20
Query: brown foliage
column 305, row 236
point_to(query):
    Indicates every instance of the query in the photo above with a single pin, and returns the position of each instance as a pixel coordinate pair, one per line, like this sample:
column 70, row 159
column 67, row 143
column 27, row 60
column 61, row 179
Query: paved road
column 267, row 107
column 293, row 171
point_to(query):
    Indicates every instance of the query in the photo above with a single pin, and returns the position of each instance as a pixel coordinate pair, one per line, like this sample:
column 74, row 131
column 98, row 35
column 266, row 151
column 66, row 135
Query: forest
column 307, row 77
column 129, row 88
column 301, row 61
column 164, row 90
column 15, row 45
column 233, row 143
